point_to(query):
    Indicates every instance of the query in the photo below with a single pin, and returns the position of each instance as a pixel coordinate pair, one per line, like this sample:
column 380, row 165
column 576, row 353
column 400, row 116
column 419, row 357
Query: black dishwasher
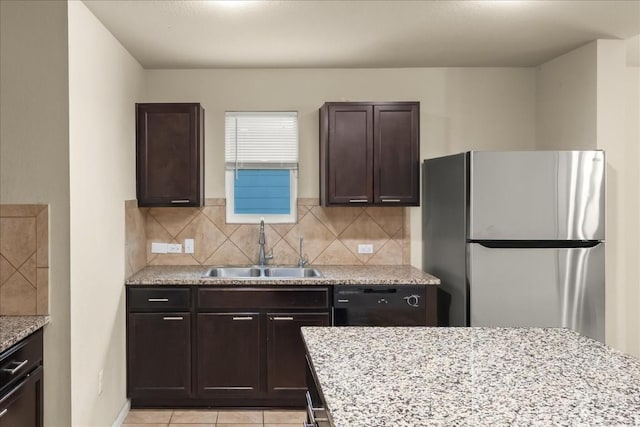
column 379, row 305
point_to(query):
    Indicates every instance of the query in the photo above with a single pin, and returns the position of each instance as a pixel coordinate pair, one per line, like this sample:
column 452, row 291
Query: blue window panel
column 262, row 191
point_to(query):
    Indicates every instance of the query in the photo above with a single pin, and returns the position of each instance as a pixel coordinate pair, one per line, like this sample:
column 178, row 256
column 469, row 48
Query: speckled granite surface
column 472, row 377
column 333, row 275
column 15, row 328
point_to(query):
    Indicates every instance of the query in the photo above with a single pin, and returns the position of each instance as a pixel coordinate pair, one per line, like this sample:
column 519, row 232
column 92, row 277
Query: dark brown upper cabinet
column 170, row 154
column 369, row 153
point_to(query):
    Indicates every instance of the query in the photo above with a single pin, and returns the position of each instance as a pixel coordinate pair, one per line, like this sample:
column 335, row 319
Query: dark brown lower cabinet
column 228, row 354
column 23, row 405
column 159, row 355
column 285, row 350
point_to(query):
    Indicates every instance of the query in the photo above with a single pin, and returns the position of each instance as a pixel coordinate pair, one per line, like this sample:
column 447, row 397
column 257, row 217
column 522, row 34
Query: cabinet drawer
column 159, row 299
column 21, row 358
column 290, row 298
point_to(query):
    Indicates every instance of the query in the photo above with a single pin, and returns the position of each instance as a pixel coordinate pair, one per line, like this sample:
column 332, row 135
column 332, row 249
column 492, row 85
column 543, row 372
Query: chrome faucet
column 302, row 261
column 262, row 257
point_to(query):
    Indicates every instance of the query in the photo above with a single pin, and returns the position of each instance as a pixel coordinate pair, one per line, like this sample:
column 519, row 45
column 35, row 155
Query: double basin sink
column 258, row 272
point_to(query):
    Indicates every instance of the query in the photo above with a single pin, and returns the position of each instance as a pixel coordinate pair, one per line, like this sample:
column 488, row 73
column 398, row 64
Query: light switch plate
column 365, row 249
column 174, row 248
column 158, row 248
column 189, row 246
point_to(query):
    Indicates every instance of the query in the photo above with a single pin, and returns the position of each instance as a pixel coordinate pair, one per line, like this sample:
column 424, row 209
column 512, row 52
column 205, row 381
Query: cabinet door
column 228, row 354
column 286, row 364
column 396, row 148
column 159, row 355
column 349, row 155
column 22, row 406
column 170, row 140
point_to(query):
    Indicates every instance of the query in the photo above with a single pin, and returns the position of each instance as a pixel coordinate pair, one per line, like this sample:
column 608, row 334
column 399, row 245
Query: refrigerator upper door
column 536, row 195
column 538, row 287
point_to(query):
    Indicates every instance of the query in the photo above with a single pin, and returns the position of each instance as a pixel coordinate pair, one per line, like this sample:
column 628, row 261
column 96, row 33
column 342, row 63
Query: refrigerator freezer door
column 536, row 195
column 538, row 287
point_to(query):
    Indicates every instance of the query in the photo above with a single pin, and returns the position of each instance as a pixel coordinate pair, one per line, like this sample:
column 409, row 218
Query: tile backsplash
column 331, row 236
column 24, row 259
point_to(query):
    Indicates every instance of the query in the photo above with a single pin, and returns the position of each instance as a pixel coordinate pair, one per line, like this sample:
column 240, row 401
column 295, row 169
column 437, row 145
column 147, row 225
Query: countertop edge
column 13, row 329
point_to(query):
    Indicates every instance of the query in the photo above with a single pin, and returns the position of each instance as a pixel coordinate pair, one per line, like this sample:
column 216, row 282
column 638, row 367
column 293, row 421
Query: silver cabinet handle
column 358, row 200
column 158, row 299
column 180, row 201
column 4, row 412
column 173, row 318
column 343, row 300
column 390, row 200
column 283, row 318
column 242, row 317
column 17, row 368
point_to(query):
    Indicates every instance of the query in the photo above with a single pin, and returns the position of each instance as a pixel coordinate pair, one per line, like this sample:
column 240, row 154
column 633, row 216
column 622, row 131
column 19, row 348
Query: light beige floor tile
column 284, row 417
column 194, row 416
column 146, row 425
column 147, row 416
column 238, row 417
column 283, row 424
column 240, row 425
column 192, row 425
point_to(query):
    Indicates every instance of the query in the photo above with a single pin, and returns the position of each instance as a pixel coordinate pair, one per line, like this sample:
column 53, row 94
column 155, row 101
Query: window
column 261, row 156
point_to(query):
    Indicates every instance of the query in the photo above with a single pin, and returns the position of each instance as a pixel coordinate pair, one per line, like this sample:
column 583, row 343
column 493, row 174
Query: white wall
column 34, row 164
column 588, row 99
column 104, row 83
column 460, row 109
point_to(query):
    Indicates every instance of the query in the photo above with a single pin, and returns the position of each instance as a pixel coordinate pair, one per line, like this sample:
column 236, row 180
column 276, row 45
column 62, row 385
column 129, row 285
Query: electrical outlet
column 189, row 246
column 174, row 248
column 100, row 381
column 158, row 248
column 365, row 249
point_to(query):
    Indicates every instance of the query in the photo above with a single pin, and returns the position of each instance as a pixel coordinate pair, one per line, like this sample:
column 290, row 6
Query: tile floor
column 213, row 418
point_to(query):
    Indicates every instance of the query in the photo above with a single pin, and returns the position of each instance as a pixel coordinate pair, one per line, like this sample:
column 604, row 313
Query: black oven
column 379, row 305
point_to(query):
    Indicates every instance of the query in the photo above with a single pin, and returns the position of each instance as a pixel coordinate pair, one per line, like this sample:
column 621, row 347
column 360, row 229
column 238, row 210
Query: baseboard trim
column 123, row 414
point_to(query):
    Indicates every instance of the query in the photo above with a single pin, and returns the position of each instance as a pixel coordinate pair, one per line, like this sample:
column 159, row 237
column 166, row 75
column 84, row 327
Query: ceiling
column 359, row 34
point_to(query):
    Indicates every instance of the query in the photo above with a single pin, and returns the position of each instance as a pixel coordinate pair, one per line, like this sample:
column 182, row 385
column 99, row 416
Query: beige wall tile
column 135, row 238
column 42, row 238
column 316, row 236
column 308, row 201
column 284, row 254
column 390, row 219
column 174, row 259
column 173, row 219
column 389, row 254
column 20, row 210
column 215, row 202
column 364, row 230
column 17, row 239
column 42, row 291
column 336, row 219
column 218, row 216
column 228, row 254
column 337, row 254
column 155, row 233
column 17, row 297
column 207, row 237
column 6, row 270
column 246, row 239
column 28, row 270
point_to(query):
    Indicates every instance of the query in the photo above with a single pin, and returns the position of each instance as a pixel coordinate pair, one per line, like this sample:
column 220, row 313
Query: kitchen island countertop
column 471, row 377
column 333, row 275
column 15, row 328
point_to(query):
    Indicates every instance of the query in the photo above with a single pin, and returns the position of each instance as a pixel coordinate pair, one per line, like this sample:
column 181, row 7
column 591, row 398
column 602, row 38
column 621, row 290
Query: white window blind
column 261, row 139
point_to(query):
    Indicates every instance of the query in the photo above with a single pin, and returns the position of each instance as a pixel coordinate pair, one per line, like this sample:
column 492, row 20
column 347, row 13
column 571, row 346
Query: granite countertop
column 472, row 377
column 333, row 275
column 15, row 328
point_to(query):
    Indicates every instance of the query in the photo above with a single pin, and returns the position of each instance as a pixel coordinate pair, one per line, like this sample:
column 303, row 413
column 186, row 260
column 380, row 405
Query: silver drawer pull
column 343, row 300
column 358, row 200
column 390, row 200
column 242, row 317
column 283, row 318
column 158, row 300
column 17, row 368
column 180, row 201
column 4, row 412
column 173, row 318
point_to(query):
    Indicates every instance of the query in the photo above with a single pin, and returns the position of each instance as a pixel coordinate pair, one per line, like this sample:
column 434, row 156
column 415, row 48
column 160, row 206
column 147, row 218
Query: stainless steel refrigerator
column 517, row 237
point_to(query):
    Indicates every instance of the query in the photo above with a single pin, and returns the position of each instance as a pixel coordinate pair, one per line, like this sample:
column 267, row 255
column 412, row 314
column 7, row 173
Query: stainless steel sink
column 257, row 272
column 291, row 272
column 235, row 272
